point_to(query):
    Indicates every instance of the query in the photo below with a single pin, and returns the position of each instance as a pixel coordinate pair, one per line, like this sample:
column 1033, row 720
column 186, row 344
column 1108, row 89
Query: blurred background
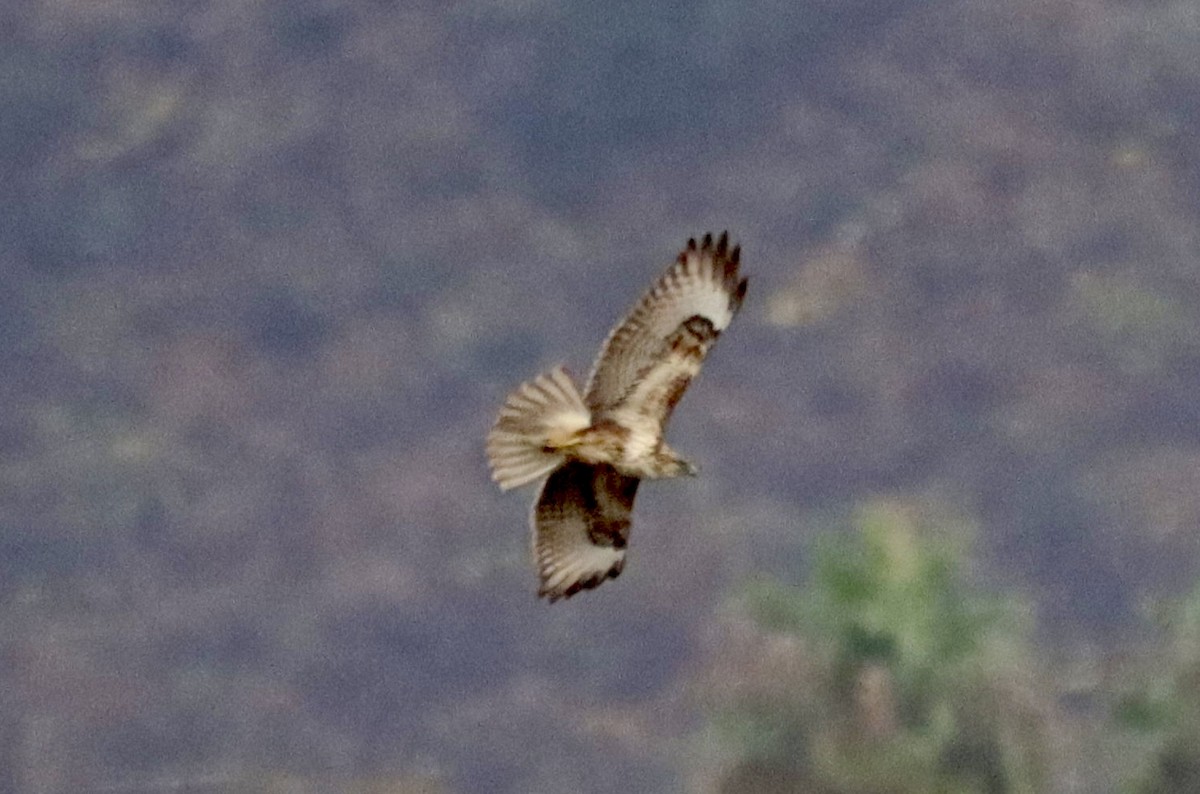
column 269, row 268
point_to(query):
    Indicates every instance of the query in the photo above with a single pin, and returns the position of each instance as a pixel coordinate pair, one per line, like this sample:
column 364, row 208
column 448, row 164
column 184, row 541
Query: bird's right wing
column 581, row 522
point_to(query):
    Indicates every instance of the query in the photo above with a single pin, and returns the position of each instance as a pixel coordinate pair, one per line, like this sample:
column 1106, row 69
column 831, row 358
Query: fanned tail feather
column 537, row 422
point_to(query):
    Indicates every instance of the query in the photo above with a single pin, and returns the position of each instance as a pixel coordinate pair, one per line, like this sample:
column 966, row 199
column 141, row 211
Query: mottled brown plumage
column 593, row 449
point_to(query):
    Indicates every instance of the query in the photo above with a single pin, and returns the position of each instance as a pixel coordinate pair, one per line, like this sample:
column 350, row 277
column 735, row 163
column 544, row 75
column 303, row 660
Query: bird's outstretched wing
column 581, row 525
column 651, row 356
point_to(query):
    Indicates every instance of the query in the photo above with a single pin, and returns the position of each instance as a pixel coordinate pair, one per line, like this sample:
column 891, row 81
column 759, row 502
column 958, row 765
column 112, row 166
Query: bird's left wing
column 581, row 522
column 652, row 356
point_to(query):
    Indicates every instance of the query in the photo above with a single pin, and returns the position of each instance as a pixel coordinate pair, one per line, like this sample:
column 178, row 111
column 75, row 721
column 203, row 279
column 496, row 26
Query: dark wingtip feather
column 723, row 244
column 707, row 244
column 729, row 267
column 691, row 246
column 551, row 595
column 739, row 295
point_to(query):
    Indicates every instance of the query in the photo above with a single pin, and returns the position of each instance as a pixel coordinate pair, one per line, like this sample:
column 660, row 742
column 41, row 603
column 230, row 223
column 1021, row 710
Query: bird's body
column 631, row 450
column 594, row 449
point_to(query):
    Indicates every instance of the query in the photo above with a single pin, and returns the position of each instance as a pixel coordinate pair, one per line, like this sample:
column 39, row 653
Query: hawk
column 594, row 448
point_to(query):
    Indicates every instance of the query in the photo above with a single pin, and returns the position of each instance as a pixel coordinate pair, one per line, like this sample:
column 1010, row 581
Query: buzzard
column 597, row 446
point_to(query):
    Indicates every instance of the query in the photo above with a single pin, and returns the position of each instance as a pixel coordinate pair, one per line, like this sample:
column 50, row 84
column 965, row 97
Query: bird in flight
column 594, row 448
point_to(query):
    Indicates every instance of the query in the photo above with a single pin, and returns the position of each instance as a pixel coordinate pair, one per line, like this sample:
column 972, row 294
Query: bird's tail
column 537, row 424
